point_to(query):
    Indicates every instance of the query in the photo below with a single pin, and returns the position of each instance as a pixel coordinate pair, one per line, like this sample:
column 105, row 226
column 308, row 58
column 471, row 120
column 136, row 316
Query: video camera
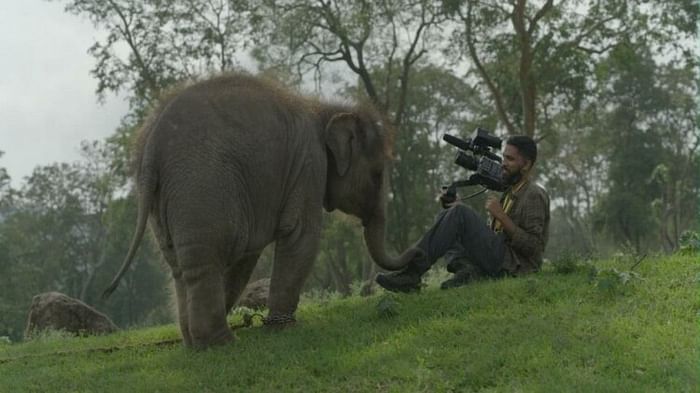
column 475, row 155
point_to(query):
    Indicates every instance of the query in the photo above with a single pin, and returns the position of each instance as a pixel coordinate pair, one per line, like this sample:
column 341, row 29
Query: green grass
column 549, row 332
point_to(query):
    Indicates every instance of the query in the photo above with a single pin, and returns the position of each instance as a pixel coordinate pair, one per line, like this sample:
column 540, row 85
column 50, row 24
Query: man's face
column 514, row 164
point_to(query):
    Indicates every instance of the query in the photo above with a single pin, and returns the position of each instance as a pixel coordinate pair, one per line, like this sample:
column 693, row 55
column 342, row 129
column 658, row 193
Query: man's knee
column 461, row 210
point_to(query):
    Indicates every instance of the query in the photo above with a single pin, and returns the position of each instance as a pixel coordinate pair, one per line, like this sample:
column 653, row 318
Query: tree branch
column 145, row 73
column 539, row 15
column 471, row 46
column 390, row 62
column 409, row 59
column 528, row 85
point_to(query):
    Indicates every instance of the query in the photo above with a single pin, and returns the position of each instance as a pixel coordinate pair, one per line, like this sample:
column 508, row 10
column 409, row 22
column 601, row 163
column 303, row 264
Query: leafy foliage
column 166, row 42
column 611, row 281
column 690, row 243
column 66, row 231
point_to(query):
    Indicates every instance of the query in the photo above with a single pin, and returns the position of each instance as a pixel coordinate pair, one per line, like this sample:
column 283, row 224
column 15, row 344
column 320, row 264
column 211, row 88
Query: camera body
column 475, row 155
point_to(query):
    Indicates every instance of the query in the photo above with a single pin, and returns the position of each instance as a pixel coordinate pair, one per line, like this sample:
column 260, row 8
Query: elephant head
column 359, row 155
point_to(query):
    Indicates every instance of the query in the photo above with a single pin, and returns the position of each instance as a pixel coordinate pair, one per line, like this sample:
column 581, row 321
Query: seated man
column 512, row 244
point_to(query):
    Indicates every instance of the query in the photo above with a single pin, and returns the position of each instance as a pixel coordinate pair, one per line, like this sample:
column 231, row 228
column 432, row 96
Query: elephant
column 230, row 164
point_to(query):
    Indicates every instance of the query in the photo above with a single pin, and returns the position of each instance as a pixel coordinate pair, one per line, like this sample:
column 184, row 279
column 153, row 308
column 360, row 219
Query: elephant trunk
column 374, row 238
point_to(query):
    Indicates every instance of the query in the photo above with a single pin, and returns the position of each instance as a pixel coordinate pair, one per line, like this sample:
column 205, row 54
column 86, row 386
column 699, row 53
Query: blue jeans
column 463, row 233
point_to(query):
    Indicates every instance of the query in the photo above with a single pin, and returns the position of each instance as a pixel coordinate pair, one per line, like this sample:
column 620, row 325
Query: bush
column 689, row 242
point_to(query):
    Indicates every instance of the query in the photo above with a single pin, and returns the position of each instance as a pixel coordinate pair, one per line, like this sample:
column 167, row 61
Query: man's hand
column 447, row 200
column 493, row 206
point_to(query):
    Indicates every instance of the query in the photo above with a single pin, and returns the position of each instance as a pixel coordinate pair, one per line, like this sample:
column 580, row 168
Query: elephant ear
column 340, row 133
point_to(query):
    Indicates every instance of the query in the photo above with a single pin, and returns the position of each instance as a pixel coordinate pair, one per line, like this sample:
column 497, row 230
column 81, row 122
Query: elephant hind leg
column 237, row 276
column 168, row 253
column 203, row 279
column 181, row 297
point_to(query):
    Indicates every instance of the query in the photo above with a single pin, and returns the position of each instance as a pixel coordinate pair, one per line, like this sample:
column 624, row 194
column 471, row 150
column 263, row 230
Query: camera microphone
column 457, row 142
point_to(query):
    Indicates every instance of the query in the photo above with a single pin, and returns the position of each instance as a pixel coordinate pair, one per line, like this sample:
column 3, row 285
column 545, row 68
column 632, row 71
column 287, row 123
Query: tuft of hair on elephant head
column 228, row 165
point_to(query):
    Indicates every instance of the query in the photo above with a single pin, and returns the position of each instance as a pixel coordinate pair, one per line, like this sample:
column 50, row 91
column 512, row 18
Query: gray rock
column 56, row 311
column 255, row 294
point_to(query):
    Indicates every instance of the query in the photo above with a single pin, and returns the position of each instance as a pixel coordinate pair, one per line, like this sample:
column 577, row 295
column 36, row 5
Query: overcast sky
column 47, row 96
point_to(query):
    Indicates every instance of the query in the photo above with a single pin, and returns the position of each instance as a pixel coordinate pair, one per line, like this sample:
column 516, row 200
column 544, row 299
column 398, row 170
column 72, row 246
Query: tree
column 534, row 58
column 166, row 41
column 68, row 230
column 362, row 36
column 676, row 123
column 653, row 117
column 6, row 191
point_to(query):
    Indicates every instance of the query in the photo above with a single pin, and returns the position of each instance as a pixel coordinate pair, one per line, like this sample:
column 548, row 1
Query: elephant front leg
column 202, row 274
column 294, row 258
column 237, row 276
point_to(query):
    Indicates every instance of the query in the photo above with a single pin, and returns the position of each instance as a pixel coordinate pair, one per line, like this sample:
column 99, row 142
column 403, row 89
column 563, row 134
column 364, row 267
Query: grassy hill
column 570, row 328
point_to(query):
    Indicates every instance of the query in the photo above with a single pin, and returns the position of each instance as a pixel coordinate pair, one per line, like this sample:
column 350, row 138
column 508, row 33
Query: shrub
column 689, row 242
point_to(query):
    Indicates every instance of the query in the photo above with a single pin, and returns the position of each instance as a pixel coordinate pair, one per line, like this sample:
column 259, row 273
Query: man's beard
column 511, row 179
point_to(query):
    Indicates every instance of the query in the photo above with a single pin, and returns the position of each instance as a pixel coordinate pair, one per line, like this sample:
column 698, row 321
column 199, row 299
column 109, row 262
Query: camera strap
column 508, row 201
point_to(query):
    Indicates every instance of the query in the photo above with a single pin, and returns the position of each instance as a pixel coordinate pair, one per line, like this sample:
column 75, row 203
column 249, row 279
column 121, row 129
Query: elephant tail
column 147, row 179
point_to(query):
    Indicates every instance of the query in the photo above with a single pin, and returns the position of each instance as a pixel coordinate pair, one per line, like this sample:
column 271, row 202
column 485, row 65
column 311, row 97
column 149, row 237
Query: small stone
column 255, row 294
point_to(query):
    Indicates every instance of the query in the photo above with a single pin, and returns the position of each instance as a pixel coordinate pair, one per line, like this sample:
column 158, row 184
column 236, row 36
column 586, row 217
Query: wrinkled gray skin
column 229, row 165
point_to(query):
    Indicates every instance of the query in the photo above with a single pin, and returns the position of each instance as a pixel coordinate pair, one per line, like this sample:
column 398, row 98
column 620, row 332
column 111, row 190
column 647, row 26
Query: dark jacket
column 530, row 214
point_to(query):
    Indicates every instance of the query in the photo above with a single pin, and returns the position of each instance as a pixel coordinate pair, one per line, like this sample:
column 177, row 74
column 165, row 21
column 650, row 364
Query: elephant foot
column 279, row 321
column 205, row 342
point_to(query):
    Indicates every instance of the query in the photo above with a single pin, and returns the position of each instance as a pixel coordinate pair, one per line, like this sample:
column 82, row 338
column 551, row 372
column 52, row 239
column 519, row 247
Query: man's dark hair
column 525, row 145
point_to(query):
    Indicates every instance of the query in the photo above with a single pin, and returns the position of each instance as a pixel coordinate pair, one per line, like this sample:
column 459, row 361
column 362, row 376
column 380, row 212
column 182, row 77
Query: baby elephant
column 228, row 165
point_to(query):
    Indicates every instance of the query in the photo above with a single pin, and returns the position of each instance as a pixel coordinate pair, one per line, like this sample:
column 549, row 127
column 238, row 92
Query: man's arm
column 525, row 239
column 493, row 205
